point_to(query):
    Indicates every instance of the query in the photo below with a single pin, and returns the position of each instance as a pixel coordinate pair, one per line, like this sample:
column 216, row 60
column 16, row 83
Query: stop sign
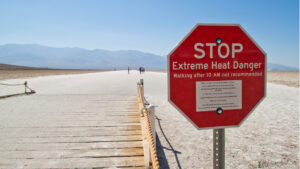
column 216, row 75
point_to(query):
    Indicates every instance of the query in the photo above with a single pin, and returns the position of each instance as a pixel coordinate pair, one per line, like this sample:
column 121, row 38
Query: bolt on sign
column 216, row 75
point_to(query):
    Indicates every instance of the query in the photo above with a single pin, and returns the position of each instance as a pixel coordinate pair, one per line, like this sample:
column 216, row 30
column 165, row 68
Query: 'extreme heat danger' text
column 215, row 65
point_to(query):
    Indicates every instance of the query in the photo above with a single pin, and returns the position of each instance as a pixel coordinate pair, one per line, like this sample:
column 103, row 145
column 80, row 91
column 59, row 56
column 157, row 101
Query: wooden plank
column 61, row 125
column 54, row 154
column 90, row 114
column 72, row 134
column 135, row 161
column 94, row 121
column 68, row 146
column 71, row 139
column 100, row 116
column 12, row 95
column 70, row 128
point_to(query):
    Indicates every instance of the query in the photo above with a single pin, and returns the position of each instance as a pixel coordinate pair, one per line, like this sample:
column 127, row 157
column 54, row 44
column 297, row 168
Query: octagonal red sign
column 216, row 75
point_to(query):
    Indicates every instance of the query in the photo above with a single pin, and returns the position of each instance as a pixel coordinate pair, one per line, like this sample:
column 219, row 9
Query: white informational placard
column 211, row 95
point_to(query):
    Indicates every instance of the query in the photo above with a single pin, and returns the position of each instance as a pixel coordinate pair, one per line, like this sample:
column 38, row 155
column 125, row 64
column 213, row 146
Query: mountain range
column 77, row 58
column 33, row 55
column 278, row 67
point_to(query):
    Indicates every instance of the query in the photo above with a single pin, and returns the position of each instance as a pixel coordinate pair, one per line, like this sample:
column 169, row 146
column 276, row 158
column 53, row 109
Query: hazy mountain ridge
column 33, row 55
column 14, row 67
column 278, row 67
column 77, row 58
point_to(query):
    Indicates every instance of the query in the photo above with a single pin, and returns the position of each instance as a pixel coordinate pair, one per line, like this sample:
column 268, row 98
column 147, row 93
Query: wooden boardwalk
column 71, row 131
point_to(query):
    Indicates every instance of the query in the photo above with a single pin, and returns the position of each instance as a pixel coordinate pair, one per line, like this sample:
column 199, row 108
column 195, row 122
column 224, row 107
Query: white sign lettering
column 200, row 52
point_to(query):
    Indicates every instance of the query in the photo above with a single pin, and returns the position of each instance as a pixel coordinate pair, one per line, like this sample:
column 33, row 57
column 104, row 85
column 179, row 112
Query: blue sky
column 149, row 26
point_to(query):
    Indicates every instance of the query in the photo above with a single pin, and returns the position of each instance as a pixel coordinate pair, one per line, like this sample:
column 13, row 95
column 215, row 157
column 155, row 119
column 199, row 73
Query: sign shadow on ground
column 160, row 149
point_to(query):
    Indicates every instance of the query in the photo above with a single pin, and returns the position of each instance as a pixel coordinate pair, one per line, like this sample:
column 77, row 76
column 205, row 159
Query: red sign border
column 168, row 74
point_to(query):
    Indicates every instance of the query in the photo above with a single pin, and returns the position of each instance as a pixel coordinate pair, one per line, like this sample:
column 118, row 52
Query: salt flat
column 269, row 138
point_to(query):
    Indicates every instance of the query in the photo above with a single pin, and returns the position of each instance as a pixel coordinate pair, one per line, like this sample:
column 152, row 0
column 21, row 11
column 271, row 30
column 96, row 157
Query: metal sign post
column 219, row 148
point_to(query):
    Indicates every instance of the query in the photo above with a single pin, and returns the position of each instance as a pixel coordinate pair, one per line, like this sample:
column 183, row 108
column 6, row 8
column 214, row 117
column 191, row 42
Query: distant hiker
column 128, row 70
column 142, row 69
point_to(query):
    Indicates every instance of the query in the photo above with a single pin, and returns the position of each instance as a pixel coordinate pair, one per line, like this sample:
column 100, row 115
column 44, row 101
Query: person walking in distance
column 128, row 70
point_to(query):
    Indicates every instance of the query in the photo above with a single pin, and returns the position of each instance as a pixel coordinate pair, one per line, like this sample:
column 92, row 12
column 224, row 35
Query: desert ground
column 289, row 78
column 17, row 74
column 268, row 139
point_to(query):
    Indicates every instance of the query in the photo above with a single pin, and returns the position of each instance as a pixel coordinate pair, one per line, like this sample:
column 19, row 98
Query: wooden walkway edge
column 80, row 132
